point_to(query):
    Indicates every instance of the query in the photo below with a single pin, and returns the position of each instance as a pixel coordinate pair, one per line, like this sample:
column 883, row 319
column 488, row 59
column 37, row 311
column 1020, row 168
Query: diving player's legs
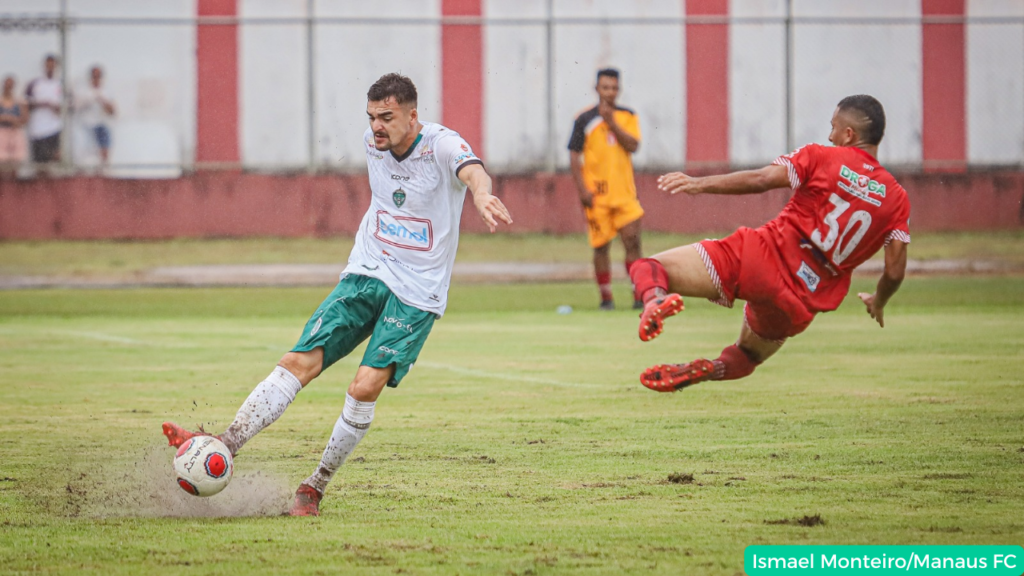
column 687, row 272
column 736, row 361
column 663, row 279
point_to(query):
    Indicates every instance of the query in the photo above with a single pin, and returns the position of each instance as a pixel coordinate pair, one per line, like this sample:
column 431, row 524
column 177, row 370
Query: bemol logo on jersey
column 861, row 186
column 404, row 231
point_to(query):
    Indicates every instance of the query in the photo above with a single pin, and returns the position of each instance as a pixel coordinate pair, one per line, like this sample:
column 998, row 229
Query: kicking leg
column 350, row 428
column 265, row 404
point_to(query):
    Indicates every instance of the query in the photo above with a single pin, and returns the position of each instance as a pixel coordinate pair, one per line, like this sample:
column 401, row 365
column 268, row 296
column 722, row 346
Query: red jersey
column 845, row 208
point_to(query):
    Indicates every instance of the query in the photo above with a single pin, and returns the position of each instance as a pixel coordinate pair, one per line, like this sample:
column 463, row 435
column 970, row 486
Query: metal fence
column 312, row 119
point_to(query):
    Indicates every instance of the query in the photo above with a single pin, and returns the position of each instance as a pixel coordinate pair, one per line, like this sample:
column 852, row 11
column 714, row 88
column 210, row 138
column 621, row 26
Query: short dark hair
column 609, row 72
column 393, row 85
column 874, row 126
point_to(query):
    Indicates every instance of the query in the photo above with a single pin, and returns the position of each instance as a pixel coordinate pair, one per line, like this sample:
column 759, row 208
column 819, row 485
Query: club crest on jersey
column 861, row 186
column 399, row 197
column 404, row 231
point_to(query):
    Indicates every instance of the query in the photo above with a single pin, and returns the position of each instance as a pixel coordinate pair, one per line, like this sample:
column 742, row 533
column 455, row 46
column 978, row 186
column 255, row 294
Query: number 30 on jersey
column 846, row 242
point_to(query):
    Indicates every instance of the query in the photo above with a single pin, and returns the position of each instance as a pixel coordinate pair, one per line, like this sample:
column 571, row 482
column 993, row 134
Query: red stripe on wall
column 944, row 122
column 707, row 86
column 462, row 73
column 217, row 85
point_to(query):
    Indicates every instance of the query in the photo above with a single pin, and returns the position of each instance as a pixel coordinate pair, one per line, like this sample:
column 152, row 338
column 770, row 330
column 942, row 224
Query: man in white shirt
column 94, row 110
column 45, row 97
column 395, row 284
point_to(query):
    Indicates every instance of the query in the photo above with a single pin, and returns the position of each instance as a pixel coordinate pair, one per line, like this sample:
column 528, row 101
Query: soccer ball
column 203, row 465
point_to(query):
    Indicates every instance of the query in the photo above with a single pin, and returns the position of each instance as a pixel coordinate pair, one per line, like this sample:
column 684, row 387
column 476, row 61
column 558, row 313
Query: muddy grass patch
column 680, row 478
column 946, row 476
column 806, row 521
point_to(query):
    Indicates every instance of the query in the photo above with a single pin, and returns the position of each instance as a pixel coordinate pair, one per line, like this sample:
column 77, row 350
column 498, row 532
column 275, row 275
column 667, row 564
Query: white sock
column 263, row 406
column 348, row 431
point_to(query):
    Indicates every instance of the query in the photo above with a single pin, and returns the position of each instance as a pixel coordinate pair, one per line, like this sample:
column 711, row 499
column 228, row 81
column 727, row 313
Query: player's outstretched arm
column 743, row 182
column 889, row 283
column 491, row 209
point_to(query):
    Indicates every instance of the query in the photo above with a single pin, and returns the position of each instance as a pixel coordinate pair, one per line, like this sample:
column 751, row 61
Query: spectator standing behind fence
column 45, row 97
column 94, row 110
column 13, row 115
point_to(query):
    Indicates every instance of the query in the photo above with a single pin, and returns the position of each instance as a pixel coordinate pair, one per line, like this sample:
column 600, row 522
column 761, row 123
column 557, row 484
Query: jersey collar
column 409, row 151
column 865, row 153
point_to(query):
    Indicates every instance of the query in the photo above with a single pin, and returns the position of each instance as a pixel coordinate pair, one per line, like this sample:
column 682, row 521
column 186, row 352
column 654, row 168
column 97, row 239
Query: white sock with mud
column 348, row 431
column 263, row 406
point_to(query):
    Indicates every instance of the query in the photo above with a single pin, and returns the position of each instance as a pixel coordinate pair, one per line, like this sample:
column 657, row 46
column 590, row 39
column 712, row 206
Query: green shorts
column 361, row 307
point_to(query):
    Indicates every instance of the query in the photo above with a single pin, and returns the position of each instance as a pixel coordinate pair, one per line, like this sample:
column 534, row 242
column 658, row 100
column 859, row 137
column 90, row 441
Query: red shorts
column 745, row 265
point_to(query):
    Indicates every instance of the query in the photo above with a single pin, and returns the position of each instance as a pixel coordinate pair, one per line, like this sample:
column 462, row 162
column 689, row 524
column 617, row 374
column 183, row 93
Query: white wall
column 995, row 84
column 652, row 62
column 151, row 74
column 833, row 61
column 351, row 57
column 273, row 101
column 516, row 132
column 757, row 83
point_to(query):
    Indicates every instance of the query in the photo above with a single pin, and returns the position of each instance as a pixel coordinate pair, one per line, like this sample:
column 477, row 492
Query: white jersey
column 89, row 106
column 409, row 236
column 44, row 122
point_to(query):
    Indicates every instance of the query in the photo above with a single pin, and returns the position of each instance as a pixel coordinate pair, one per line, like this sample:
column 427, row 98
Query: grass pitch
column 521, row 443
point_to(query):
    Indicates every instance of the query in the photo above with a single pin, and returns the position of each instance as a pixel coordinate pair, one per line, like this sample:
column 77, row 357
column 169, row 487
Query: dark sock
column 604, row 284
column 648, row 275
column 733, row 364
column 629, row 266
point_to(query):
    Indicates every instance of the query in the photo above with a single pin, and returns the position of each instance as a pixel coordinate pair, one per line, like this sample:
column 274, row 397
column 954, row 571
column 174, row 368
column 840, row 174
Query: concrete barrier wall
column 227, row 204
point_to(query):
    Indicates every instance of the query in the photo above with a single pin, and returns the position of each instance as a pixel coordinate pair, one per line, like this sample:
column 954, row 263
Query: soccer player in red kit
column 845, row 207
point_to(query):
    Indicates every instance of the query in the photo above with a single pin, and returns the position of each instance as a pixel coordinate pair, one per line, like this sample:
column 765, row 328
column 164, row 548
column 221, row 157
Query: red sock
column 733, row 364
column 629, row 266
column 647, row 275
column 604, row 284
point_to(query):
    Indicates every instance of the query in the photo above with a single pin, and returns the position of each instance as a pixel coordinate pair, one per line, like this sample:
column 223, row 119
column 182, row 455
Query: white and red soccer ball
column 203, row 465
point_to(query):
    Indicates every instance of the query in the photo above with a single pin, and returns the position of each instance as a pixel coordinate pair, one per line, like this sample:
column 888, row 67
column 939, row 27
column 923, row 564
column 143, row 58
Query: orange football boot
column 672, row 377
column 307, row 501
column 655, row 311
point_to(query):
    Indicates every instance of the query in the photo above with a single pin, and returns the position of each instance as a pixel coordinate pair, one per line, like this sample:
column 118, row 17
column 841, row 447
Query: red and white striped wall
column 709, row 94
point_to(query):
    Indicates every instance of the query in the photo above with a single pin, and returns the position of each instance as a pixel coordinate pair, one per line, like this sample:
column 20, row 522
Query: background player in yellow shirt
column 603, row 141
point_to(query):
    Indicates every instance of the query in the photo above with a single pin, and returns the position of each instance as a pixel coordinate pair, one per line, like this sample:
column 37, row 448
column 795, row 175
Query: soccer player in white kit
column 395, row 284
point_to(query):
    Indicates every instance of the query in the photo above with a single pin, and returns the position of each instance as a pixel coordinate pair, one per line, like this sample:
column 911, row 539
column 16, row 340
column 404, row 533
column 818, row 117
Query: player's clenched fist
column 676, row 182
